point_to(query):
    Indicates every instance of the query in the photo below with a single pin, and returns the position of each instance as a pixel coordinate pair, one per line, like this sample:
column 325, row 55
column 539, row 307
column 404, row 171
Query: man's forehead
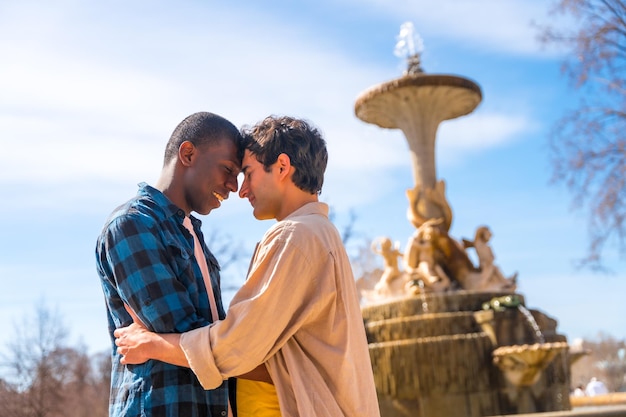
column 248, row 159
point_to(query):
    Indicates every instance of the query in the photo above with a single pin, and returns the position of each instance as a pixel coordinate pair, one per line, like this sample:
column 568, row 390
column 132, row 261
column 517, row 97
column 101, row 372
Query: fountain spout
column 485, row 319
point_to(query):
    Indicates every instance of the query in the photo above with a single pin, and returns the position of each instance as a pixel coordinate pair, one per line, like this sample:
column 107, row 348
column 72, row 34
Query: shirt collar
column 315, row 207
column 169, row 209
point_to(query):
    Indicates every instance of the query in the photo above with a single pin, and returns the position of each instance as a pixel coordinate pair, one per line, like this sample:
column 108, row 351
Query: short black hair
column 202, row 128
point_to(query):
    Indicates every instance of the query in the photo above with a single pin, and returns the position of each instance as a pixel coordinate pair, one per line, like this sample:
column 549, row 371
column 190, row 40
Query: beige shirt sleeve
column 280, row 294
column 197, row 348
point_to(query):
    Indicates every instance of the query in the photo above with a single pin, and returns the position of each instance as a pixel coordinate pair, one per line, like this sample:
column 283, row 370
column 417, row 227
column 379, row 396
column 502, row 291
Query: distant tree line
column 604, row 359
column 42, row 376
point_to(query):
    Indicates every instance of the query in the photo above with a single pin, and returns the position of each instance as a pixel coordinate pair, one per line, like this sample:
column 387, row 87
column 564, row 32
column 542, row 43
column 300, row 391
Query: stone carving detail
column 435, row 262
column 421, row 260
column 383, row 246
column 523, row 364
column 490, row 275
column 421, row 198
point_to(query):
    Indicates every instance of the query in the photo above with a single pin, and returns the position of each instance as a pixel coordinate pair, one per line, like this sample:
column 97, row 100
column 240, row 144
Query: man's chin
column 207, row 210
column 261, row 216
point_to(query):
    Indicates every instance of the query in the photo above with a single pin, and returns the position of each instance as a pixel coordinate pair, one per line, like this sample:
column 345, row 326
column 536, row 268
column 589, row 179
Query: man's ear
column 186, row 151
column 284, row 165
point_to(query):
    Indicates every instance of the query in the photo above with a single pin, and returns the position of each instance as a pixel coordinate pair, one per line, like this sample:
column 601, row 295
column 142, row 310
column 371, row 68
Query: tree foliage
column 588, row 144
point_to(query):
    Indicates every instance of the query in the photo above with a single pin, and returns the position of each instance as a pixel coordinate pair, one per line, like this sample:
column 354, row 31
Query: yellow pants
column 256, row 399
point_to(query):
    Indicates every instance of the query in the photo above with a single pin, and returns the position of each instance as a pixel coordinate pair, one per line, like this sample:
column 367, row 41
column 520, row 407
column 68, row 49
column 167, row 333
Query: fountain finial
column 409, row 45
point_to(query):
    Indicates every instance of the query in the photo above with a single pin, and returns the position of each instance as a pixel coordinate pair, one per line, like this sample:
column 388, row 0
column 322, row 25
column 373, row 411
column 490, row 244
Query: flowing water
column 533, row 323
column 423, row 296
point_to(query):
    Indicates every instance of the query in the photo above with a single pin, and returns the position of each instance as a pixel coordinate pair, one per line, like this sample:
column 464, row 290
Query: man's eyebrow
column 232, row 166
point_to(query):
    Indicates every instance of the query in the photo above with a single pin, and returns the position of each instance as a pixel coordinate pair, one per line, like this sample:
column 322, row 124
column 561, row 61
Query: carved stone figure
column 383, row 246
column 490, row 275
column 422, row 198
column 420, row 260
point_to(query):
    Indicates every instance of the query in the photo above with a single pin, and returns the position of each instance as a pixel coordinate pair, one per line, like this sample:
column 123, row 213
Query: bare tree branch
column 588, row 144
column 46, row 377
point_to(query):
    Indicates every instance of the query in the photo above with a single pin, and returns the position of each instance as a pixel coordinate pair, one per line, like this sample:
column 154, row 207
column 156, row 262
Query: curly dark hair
column 296, row 138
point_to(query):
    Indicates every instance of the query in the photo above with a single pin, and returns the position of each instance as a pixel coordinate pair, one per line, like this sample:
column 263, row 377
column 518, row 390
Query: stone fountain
column 448, row 337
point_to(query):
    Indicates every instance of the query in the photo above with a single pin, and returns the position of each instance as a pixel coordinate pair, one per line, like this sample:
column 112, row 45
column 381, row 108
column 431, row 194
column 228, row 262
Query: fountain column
column 417, row 103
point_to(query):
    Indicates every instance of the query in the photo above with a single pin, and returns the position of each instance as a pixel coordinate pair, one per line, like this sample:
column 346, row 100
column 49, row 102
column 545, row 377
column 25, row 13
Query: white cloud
column 45, row 150
column 82, row 116
column 481, row 131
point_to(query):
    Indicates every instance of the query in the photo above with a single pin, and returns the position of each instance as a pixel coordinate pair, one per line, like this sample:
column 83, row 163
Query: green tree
column 588, row 145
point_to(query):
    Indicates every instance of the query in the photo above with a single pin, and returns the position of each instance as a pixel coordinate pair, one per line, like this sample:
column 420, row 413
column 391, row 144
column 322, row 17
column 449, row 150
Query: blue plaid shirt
column 145, row 259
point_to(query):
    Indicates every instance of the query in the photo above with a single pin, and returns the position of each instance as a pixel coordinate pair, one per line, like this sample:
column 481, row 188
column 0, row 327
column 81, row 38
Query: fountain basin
column 431, row 356
column 522, row 365
column 420, row 326
column 429, row 303
column 446, row 96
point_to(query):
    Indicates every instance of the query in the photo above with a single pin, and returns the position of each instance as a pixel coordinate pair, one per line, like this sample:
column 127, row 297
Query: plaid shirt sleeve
column 148, row 265
column 154, row 274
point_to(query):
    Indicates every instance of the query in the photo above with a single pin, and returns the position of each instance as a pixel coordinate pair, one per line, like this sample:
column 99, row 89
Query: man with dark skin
column 151, row 265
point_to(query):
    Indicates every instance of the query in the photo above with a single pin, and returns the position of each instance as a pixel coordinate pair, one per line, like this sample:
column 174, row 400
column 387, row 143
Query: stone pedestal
column 432, row 358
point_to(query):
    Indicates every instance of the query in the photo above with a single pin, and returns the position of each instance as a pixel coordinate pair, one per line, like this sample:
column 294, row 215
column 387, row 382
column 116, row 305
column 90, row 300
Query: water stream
column 423, row 296
column 533, row 323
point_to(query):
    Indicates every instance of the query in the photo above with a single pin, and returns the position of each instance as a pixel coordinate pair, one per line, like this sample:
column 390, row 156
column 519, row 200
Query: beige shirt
column 299, row 313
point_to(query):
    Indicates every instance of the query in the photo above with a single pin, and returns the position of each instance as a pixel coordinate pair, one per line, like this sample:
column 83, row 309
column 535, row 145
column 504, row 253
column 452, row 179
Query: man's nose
column 232, row 184
column 243, row 192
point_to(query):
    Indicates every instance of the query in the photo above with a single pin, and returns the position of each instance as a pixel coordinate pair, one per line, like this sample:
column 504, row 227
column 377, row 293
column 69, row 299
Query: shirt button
column 223, row 413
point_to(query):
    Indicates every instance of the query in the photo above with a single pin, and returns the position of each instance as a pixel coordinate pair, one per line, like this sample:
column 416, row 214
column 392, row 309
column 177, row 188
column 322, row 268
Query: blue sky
column 91, row 91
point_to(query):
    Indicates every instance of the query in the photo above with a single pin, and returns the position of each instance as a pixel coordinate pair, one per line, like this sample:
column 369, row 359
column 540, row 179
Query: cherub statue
column 382, row 246
column 490, row 275
column 420, row 261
